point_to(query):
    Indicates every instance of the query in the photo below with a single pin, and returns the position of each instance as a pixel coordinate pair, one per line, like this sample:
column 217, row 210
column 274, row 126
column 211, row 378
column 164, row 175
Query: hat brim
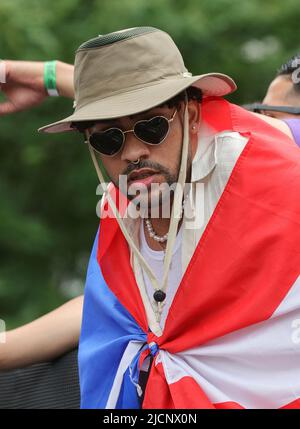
column 142, row 99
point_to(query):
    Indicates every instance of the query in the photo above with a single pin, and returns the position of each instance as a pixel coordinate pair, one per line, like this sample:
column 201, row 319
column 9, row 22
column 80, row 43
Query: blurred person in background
column 282, row 100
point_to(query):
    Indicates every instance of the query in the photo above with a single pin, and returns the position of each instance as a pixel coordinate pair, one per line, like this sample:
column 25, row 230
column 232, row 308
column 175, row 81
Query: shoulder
column 276, row 123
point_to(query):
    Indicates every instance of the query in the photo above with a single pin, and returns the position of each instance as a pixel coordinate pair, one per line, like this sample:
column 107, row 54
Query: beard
column 156, row 198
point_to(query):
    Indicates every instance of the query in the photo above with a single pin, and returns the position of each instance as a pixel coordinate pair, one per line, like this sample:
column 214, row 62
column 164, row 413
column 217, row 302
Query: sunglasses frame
column 132, row 131
column 259, row 108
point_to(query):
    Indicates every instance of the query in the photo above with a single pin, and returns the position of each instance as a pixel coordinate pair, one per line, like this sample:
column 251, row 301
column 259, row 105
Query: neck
column 161, row 222
column 161, row 227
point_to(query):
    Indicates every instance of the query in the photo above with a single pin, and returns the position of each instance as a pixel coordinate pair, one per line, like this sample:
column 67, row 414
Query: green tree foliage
column 48, row 186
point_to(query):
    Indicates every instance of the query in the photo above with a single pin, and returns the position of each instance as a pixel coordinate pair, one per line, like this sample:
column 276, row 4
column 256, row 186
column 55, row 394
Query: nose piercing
column 136, row 162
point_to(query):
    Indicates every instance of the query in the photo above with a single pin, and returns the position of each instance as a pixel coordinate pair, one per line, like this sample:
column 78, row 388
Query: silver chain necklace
column 152, row 233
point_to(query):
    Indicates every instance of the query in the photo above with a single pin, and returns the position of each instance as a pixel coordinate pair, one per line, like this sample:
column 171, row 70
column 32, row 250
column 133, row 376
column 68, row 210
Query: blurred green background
column 47, row 185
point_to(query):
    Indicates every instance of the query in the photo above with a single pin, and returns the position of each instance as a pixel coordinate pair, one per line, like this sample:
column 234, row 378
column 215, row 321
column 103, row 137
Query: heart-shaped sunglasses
column 151, row 131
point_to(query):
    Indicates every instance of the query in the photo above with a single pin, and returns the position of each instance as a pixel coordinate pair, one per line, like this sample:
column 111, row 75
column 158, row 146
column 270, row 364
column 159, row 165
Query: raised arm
column 24, row 87
column 43, row 339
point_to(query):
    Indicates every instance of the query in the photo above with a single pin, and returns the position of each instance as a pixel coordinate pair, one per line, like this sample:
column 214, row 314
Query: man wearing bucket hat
column 182, row 313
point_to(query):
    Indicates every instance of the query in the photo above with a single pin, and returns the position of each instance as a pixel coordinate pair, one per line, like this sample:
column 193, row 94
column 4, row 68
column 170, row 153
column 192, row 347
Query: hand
column 24, row 86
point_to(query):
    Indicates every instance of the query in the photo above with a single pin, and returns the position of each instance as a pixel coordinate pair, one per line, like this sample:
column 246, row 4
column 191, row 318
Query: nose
column 134, row 149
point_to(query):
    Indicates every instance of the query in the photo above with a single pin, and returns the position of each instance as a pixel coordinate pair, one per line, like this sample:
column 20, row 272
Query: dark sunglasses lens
column 152, row 131
column 107, row 142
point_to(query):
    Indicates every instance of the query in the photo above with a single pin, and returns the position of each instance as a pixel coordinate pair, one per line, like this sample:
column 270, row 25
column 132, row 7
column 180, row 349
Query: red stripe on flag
column 185, row 393
column 292, row 405
column 157, row 395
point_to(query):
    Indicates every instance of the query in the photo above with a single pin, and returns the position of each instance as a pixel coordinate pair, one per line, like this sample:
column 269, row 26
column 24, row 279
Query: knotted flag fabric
column 229, row 338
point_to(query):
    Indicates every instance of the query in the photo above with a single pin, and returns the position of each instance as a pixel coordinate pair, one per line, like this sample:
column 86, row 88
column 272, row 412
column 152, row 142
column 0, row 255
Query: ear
column 194, row 109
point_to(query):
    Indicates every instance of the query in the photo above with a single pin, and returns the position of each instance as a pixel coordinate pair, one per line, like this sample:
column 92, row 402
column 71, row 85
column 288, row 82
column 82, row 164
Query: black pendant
column 159, row 295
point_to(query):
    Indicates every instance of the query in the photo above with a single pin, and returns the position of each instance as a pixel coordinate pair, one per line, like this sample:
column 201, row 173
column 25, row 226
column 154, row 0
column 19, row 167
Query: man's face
column 159, row 164
column 280, row 93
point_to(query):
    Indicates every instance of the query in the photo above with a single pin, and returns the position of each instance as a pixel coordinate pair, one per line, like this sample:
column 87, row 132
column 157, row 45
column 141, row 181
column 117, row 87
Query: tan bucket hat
column 128, row 72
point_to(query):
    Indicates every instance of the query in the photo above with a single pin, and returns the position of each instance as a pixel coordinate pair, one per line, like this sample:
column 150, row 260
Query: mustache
column 145, row 164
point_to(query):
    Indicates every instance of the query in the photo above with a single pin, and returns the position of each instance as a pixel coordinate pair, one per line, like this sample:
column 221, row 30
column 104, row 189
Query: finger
column 2, row 71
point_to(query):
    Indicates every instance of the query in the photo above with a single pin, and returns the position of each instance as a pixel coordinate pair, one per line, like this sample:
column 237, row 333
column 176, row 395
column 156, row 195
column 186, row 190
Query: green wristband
column 50, row 78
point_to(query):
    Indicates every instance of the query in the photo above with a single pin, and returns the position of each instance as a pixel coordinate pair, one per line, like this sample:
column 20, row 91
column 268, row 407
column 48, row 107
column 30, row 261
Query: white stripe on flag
column 129, row 353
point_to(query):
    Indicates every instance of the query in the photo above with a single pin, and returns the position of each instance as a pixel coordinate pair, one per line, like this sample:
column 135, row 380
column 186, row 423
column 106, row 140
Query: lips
column 141, row 174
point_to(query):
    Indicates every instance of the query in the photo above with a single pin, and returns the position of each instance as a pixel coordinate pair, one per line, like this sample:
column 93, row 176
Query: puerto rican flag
column 232, row 334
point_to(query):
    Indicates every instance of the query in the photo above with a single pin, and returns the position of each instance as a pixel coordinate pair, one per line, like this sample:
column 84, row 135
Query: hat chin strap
column 175, row 214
